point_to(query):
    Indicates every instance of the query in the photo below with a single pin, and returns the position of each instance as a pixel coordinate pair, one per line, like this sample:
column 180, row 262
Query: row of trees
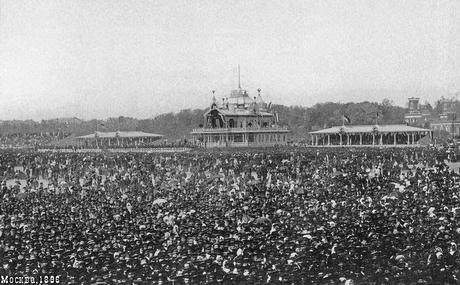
column 176, row 126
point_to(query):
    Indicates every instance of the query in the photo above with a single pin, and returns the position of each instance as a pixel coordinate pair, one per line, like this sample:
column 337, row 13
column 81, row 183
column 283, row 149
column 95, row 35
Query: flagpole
column 95, row 135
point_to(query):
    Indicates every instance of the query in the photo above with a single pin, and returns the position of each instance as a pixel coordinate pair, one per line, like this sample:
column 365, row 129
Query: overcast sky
column 92, row 58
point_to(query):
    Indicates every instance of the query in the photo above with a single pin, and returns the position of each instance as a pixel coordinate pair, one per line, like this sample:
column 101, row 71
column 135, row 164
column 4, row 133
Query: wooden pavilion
column 369, row 135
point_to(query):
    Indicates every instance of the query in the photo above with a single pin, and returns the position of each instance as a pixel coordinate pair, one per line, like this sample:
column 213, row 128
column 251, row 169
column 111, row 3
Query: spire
column 213, row 104
column 239, row 77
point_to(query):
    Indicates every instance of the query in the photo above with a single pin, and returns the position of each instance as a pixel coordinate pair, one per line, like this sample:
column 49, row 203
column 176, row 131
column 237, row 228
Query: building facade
column 240, row 121
column 417, row 114
column 447, row 120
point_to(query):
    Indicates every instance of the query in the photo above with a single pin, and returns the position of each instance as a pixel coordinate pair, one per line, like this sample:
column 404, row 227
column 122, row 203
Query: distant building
column 445, row 119
column 448, row 119
column 449, row 107
column 417, row 114
column 240, row 121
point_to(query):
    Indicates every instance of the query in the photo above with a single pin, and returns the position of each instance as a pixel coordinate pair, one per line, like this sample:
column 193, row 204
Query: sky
column 99, row 59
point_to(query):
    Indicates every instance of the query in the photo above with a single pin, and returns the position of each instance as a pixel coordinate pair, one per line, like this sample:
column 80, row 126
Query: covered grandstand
column 369, row 135
column 118, row 139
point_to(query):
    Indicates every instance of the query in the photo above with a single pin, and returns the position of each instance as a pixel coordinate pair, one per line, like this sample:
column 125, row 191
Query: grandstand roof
column 119, row 134
column 370, row 128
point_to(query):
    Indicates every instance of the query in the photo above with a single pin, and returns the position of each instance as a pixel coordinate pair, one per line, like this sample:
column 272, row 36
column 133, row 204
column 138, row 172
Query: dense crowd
column 317, row 216
column 127, row 145
column 30, row 140
column 57, row 140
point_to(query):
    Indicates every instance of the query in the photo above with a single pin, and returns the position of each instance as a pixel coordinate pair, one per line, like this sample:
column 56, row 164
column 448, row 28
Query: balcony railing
column 236, row 130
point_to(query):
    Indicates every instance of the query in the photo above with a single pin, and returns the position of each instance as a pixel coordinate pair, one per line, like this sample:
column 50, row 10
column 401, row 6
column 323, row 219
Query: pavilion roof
column 120, row 134
column 370, row 128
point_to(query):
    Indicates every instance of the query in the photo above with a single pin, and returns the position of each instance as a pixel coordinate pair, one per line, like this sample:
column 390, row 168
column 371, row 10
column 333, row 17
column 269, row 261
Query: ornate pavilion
column 240, row 121
column 369, row 135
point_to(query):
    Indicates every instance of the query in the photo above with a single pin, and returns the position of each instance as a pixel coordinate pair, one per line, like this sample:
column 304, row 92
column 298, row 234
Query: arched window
column 231, row 123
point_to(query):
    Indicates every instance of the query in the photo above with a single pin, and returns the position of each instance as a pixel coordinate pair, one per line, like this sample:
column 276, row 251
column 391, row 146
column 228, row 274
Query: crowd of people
column 292, row 216
column 30, row 140
column 126, row 145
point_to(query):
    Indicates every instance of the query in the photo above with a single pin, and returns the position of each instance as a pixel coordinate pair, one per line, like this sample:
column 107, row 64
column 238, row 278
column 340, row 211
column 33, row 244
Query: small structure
column 118, row 139
column 369, row 135
column 240, row 121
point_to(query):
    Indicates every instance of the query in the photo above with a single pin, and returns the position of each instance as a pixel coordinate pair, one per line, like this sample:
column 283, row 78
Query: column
column 328, row 139
column 312, row 138
column 408, row 139
column 373, row 139
column 340, row 139
column 413, row 138
column 360, row 139
column 381, row 139
column 316, row 140
column 394, row 138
